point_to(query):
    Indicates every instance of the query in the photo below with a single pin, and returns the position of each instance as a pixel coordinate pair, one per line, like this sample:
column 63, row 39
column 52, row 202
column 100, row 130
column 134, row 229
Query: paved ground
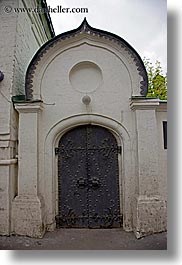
column 86, row 239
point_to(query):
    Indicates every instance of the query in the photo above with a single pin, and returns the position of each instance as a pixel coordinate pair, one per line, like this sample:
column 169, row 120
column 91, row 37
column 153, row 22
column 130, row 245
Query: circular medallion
column 85, row 77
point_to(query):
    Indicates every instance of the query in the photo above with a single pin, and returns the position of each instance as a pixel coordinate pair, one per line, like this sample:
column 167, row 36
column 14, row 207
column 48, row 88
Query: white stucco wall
column 7, row 175
column 114, row 89
column 7, row 49
column 21, row 35
column 30, row 35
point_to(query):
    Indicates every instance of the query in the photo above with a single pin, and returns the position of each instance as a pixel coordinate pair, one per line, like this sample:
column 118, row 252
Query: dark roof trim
column 85, row 27
column 48, row 19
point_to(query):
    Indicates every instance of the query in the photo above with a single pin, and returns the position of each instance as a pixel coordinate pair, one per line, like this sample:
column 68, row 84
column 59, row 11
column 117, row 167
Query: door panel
column 103, row 167
column 72, row 179
column 88, row 179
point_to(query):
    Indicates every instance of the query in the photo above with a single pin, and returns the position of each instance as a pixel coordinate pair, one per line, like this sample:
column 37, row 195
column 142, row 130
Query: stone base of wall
column 4, row 200
column 27, row 217
column 8, row 180
column 149, row 215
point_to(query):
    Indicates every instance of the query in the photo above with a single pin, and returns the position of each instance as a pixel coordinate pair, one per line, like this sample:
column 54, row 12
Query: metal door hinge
column 119, row 149
column 56, row 150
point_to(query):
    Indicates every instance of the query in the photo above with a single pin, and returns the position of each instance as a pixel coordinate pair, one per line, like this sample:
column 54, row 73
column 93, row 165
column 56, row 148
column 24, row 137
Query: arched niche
column 104, row 39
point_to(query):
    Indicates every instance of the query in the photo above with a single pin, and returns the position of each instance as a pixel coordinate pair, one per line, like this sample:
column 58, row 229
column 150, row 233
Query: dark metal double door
column 88, row 181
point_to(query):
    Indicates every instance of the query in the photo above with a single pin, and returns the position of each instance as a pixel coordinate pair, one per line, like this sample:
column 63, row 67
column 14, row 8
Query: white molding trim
column 148, row 103
column 8, row 161
column 32, row 107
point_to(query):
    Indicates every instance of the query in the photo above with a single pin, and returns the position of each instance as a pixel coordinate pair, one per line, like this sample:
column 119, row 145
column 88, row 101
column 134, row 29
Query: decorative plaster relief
column 86, row 29
column 85, row 77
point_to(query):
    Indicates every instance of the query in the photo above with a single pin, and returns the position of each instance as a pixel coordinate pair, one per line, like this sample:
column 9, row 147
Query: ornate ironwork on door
column 88, row 181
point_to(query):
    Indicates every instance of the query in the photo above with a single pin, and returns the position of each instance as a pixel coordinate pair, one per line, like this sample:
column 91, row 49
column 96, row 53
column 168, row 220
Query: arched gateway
column 88, row 179
column 85, row 100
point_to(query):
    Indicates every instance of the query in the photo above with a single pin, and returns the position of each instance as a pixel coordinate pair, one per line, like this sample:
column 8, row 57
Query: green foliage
column 157, row 82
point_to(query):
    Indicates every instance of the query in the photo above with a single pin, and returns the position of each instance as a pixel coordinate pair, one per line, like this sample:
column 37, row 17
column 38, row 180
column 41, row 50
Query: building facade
column 21, row 35
column 88, row 147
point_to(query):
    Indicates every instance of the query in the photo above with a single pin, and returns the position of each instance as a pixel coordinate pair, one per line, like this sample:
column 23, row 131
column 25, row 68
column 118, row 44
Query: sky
column 142, row 23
